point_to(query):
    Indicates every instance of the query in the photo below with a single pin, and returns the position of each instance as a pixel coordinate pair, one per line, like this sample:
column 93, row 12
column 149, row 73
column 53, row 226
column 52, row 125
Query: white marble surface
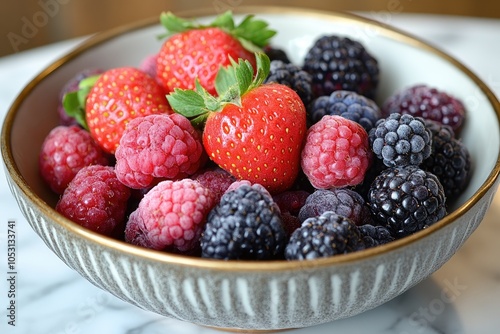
column 461, row 297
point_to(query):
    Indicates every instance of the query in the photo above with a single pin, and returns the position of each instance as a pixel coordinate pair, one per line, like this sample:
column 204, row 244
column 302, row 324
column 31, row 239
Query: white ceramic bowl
column 257, row 295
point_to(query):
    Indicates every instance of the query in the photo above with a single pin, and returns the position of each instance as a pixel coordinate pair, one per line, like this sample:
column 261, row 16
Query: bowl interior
column 403, row 61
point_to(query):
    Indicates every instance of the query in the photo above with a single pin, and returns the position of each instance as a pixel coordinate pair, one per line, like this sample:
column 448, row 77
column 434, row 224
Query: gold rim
column 264, row 266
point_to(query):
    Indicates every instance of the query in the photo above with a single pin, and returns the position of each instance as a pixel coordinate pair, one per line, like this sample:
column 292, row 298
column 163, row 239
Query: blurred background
column 26, row 24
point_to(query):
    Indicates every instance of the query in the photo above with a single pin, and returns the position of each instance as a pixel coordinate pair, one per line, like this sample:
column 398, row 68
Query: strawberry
column 104, row 104
column 197, row 51
column 252, row 130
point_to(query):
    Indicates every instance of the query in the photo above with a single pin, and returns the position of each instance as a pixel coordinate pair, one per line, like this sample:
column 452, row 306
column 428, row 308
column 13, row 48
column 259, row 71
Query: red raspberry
column 95, row 199
column 216, row 179
column 171, row 216
column 66, row 150
column 158, row 147
column 336, row 153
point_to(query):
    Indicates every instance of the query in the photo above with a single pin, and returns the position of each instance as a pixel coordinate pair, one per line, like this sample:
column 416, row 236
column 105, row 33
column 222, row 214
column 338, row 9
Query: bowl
column 263, row 295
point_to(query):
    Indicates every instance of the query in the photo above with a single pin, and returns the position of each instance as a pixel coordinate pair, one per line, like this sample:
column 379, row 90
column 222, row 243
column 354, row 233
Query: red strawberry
column 197, row 51
column 106, row 103
column 252, row 130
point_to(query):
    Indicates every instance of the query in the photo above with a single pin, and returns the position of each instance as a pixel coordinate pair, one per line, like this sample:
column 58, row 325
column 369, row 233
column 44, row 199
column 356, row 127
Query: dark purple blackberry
column 326, row 235
column 340, row 63
column 292, row 76
column 246, row 225
column 275, row 53
column 401, row 140
column 373, row 235
column 348, row 104
column 406, row 200
column 343, row 201
column 450, row 159
column 428, row 103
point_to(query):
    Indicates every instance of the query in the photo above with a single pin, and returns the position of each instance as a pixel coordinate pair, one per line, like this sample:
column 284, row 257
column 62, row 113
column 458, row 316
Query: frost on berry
column 336, row 153
column 158, row 147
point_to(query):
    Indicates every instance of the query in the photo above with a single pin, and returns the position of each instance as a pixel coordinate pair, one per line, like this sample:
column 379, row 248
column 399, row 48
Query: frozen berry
column 291, row 200
column 292, row 76
column 343, row 201
column 148, row 65
column 216, row 179
column 95, row 199
column 340, row 63
column 336, row 153
column 375, row 235
column 450, row 159
column 347, row 104
column 171, row 216
column 245, row 225
column 406, row 200
column 158, row 147
column 401, row 140
column 426, row 102
column 276, row 53
column 323, row 236
column 65, row 151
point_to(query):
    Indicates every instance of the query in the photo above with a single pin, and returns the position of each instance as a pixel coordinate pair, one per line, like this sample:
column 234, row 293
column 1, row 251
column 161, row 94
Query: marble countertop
column 461, row 297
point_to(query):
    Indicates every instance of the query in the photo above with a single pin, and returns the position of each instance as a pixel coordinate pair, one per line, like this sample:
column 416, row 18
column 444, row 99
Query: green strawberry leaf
column 231, row 83
column 74, row 102
column 252, row 33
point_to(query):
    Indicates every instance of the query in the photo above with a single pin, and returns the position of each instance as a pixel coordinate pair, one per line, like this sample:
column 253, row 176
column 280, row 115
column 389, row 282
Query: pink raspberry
column 95, row 199
column 216, row 179
column 336, row 153
column 171, row 216
column 66, row 150
column 148, row 65
column 158, row 147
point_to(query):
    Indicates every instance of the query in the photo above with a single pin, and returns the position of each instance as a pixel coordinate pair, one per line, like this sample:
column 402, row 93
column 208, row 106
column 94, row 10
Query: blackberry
column 450, row 159
column 323, row 236
column 406, row 200
column 426, row 102
column 340, row 63
column 375, row 235
column 292, row 76
column 275, row 53
column 343, row 201
column 246, row 225
column 347, row 104
column 401, row 140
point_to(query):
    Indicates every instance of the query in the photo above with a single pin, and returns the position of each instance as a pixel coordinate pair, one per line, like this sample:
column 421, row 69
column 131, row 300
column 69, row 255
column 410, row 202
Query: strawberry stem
column 252, row 33
column 231, row 83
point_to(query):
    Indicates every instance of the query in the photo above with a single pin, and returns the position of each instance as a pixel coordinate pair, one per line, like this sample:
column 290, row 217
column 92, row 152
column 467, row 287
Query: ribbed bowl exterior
column 255, row 299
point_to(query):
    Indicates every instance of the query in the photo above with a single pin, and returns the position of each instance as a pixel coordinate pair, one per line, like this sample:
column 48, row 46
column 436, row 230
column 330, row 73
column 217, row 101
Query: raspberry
column 375, row 235
column 148, row 65
column 343, row 201
column 291, row 200
column 347, row 104
column 245, row 225
column 401, row 140
column 336, row 153
column 72, row 86
column 95, row 199
column 428, row 103
column 171, row 216
column 450, row 160
column 326, row 235
column 216, row 179
column 66, row 150
column 406, row 200
column 158, row 147
column 292, row 76
column 275, row 53
column 340, row 63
